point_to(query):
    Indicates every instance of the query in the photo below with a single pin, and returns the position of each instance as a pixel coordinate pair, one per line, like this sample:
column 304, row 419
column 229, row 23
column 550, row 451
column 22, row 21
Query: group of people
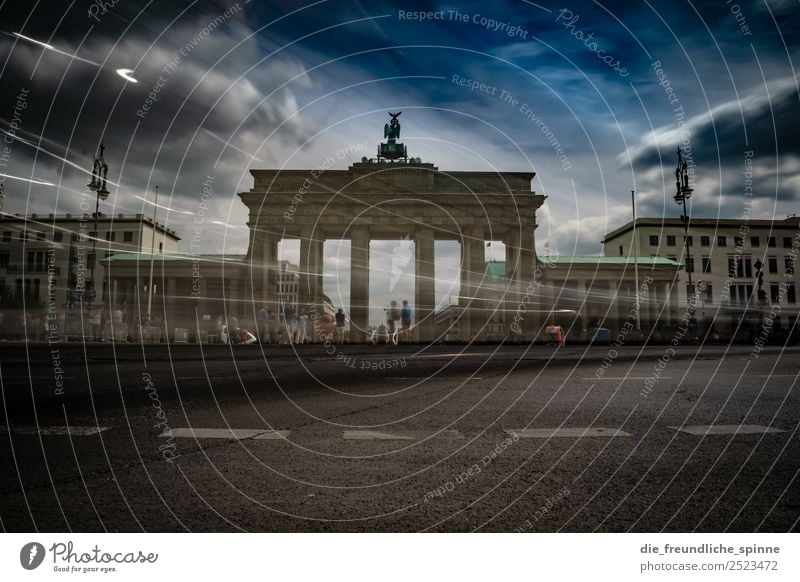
column 389, row 333
column 296, row 327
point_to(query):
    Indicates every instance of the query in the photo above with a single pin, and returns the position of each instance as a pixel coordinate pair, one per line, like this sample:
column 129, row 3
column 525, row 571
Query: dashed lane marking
column 546, row 433
column 705, row 429
column 373, row 435
column 56, row 430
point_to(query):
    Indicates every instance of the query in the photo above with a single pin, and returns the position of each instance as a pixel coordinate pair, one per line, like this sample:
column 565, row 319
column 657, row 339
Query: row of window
column 742, row 294
column 58, row 236
column 739, row 266
column 722, row 241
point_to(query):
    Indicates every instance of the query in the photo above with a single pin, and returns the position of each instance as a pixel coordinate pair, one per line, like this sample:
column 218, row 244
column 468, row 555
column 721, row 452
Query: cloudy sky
column 618, row 86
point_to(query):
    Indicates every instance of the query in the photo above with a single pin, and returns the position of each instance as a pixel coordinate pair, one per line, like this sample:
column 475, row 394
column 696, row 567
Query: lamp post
column 152, row 257
column 98, row 186
column 682, row 193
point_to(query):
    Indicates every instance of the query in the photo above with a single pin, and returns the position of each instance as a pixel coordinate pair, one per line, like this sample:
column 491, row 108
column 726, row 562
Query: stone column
column 268, row 271
column 359, row 284
column 527, row 267
column 425, row 285
column 513, row 290
column 473, row 266
column 310, row 291
column 583, row 298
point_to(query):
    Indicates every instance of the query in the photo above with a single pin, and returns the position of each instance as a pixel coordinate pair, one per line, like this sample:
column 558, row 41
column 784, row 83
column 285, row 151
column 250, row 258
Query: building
column 51, row 258
column 723, row 256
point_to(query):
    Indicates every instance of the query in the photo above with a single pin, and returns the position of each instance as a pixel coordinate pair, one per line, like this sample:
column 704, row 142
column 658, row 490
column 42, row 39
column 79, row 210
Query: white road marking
column 220, row 433
column 628, row 378
column 429, row 378
column 546, row 433
column 56, row 430
column 373, row 435
column 272, row 435
column 704, row 429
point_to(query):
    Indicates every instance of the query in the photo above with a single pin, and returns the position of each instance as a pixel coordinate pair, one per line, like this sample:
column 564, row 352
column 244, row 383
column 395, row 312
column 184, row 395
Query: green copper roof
column 170, row 257
column 595, row 260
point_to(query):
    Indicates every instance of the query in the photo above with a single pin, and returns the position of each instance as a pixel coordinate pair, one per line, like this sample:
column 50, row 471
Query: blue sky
column 286, row 84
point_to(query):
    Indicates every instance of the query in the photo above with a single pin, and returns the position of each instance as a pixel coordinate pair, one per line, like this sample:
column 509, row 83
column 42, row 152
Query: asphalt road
column 445, row 438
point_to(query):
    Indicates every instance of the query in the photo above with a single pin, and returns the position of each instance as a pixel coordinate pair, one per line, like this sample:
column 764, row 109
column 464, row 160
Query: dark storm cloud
column 618, row 132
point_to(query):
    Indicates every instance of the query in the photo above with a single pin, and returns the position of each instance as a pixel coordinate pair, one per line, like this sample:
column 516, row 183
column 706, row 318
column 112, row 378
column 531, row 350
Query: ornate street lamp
column 682, row 193
column 98, row 186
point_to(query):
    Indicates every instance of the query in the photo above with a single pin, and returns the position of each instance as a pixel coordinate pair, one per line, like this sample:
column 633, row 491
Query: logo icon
column 31, row 555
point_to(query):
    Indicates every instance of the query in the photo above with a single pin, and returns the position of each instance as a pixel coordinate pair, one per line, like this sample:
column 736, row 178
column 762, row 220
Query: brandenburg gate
column 392, row 197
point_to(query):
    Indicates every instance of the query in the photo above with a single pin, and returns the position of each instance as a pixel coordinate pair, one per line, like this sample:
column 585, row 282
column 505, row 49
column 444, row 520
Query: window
column 6, row 236
column 706, row 264
column 58, row 236
column 90, row 259
column 4, row 258
column 787, row 242
column 673, row 258
column 791, row 294
column 689, row 240
column 39, row 236
column 23, row 235
column 708, row 294
column 160, row 247
column 741, row 293
column 773, row 264
column 111, row 235
column 689, row 265
column 775, row 294
column 738, row 241
column 653, row 240
column 722, row 241
column 771, row 242
column 127, row 236
column 739, row 266
column 705, row 241
column 788, row 263
column 754, row 242
column 73, row 237
column 670, row 240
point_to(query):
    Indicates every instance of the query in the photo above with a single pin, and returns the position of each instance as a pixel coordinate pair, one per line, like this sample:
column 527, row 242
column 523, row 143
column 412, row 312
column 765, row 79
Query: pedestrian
column 405, row 316
column 289, row 322
column 302, row 327
column 272, row 328
column 392, row 315
column 233, row 329
column 262, row 317
column 341, row 320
